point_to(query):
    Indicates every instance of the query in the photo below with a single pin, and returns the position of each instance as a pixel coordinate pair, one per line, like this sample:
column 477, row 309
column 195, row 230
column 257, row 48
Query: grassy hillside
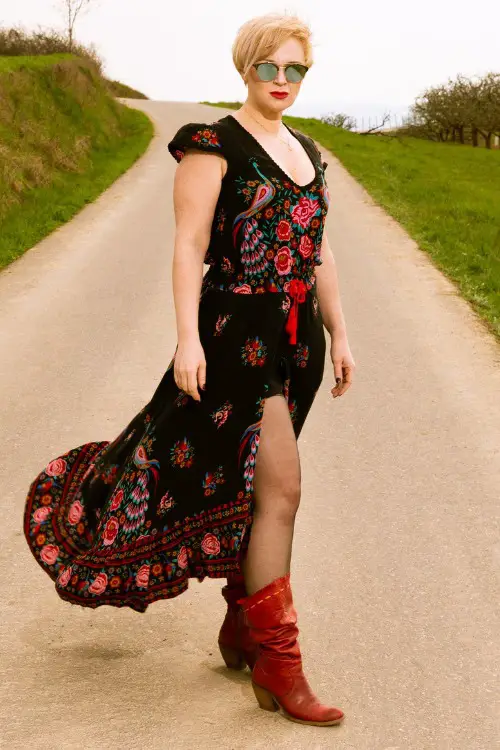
column 445, row 195
column 63, row 140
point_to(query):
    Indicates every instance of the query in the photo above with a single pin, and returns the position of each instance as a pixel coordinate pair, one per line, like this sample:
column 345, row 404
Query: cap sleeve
column 198, row 135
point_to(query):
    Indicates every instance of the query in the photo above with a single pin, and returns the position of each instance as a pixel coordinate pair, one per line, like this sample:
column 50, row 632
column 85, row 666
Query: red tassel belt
column 297, row 291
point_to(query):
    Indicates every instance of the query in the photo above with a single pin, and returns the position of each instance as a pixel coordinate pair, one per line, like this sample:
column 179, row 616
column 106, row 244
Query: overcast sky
column 369, row 56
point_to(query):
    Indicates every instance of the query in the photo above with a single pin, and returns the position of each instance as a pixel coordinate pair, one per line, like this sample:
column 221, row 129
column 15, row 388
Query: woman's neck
column 270, row 121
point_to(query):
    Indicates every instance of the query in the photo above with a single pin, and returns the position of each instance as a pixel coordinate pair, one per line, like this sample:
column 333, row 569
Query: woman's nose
column 280, row 76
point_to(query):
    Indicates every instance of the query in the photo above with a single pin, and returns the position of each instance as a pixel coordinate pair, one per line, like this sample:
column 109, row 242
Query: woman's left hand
column 343, row 364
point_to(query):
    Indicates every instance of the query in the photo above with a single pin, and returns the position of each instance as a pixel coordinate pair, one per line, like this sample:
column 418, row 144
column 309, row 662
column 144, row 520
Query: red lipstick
column 279, row 94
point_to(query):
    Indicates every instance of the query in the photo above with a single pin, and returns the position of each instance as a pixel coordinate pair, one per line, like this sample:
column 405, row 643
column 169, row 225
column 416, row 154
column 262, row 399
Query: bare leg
column 277, row 496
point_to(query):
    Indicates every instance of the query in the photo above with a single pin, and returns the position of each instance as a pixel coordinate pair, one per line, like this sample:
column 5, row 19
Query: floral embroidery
column 221, row 414
column 243, row 289
column 56, row 468
column 206, row 137
column 221, row 323
column 283, row 261
column 303, row 212
column 210, row 544
column 301, row 355
column 95, row 518
column 211, row 480
column 306, row 246
column 254, row 352
column 283, row 231
column 167, row 502
column 142, row 576
column 110, row 530
column 182, row 454
column 285, row 305
column 279, row 241
column 221, row 218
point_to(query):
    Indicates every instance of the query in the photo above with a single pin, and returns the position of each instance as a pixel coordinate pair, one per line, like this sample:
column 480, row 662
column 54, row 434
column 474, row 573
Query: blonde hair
column 261, row 36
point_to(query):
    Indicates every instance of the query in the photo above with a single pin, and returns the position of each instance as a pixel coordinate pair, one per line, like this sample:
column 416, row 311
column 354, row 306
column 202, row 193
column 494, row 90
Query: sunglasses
column 294, row 72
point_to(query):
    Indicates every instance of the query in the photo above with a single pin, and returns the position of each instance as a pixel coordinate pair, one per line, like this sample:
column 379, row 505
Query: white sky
column 369, row 56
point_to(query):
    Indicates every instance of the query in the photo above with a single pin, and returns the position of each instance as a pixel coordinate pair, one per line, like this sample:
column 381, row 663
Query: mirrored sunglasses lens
column 294, row 73
column 267, row 71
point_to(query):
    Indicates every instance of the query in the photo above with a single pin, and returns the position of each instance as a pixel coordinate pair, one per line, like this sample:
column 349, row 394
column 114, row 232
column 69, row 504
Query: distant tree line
column 464, row 110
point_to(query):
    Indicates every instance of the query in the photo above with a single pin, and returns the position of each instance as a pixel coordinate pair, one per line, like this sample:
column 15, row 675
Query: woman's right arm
column 197, row 184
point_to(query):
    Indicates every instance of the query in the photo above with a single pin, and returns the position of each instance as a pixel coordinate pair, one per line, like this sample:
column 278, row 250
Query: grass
column 63, row 140
column 445, row 195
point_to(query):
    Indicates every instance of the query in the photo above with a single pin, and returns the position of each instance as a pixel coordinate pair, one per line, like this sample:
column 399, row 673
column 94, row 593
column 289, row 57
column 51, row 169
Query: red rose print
column 283, row 230
column 283, row 261
column 142, row 577
column 75, row 512
column 100, row 583
column 306, row 246
column 49, row 553
column 243, row 289
column 56, row 467
column 182, row 558
column 64, row 576
column 41, row 514
column 303, row 212
column 210, row 545
column 116, row 500
column 110, row 531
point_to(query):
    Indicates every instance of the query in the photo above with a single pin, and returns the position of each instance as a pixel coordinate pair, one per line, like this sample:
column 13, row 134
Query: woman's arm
column 197, row 184
column 327, row 285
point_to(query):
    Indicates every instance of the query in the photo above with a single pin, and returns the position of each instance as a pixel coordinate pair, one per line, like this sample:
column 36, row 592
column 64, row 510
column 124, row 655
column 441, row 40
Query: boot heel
column 234, row 659
column 264, row 698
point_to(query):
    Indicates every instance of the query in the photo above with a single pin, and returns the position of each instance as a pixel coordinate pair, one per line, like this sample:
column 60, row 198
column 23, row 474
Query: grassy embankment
column 445, row 195
column 63, row 140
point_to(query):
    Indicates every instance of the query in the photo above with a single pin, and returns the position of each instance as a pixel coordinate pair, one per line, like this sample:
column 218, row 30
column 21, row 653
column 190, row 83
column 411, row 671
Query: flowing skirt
column 128, row 522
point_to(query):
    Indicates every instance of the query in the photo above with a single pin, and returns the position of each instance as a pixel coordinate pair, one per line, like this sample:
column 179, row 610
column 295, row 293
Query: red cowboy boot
column 277, row 677
column 235, row 645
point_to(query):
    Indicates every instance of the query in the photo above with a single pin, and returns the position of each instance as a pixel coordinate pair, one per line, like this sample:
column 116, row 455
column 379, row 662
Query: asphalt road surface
column 396, row 567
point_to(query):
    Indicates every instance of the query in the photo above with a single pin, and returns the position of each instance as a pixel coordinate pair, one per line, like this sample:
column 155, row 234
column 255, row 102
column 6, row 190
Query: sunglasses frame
column 278, row 68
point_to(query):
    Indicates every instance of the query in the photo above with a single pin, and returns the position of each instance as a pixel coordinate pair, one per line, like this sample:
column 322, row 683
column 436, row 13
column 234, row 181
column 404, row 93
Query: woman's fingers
column 202, row 375
column 192, row 388
column 344, row 383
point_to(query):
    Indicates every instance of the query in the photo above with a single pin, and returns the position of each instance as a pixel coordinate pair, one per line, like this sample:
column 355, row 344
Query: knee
column 288, row 501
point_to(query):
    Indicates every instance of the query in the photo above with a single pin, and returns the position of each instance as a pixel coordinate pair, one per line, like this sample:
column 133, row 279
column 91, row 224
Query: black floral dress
column 128, row 522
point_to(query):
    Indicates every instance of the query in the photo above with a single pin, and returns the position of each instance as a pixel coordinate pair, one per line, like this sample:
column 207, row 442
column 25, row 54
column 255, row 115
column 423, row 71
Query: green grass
column 447, row 197
column 63, row 140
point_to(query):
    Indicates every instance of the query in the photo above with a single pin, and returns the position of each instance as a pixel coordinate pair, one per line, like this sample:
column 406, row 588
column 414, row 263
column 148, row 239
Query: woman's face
column 260, row 92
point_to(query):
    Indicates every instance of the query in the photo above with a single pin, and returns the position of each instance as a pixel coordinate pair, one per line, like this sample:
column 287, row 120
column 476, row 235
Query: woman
column 180, row 493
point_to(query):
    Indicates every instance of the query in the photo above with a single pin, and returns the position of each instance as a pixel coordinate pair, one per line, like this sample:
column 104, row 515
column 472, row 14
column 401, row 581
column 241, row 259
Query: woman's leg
column 276, row 498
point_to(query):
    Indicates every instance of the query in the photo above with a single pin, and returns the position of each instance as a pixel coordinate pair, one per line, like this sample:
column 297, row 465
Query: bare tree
column 340, row 120
column 70, row 10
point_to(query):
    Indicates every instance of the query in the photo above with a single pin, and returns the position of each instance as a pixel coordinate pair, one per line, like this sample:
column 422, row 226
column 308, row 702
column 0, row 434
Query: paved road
column 397, row 554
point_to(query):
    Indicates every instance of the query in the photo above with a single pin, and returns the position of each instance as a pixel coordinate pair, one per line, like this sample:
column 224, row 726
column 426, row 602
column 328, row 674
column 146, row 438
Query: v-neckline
column 261, row 147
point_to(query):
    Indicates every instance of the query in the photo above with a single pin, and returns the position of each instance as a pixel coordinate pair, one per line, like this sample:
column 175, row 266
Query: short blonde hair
column 261, row 36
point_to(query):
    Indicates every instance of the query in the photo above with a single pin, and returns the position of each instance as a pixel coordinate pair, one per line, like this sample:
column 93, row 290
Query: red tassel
column 297, row 291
